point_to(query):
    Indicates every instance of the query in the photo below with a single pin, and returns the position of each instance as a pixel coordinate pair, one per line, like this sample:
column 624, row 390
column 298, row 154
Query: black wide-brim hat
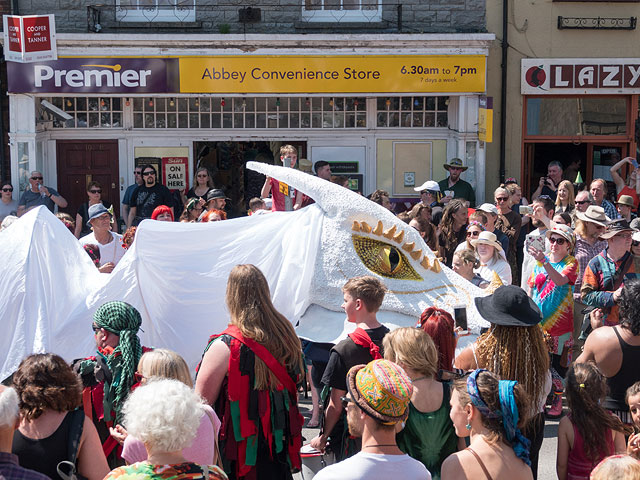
column 509, row 306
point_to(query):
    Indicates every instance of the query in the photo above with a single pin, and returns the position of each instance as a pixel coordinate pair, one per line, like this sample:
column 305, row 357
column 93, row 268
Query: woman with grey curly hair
column 165, row 415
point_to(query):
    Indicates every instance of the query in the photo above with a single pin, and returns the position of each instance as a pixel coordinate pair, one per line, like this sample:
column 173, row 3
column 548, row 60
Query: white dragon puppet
column 175, row 274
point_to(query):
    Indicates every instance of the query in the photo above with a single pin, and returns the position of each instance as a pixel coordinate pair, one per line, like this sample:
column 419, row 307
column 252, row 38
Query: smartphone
column 460, row 315
column 448, row 193
column 536, row 242
column 634, row 162
column 525, row 210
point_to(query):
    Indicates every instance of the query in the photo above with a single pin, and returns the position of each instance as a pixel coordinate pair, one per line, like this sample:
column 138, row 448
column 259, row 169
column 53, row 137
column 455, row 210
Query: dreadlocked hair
column 448, row 237
column 586, row 387
column 249, row 303
column 516, row 353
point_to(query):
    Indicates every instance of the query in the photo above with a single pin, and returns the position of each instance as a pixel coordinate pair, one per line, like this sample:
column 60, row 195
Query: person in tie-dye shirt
column 551, row 288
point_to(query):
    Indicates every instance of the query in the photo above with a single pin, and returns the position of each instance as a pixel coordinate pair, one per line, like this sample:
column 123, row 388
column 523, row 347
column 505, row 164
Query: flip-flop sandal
column 313, row 425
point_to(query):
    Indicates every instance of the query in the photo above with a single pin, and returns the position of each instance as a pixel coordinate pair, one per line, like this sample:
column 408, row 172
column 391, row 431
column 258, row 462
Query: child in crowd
column 633, row 400
column 589, row 433
column 363, row 297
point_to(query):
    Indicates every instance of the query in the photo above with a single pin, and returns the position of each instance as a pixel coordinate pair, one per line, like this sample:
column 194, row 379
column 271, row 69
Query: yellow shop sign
column 333, row 74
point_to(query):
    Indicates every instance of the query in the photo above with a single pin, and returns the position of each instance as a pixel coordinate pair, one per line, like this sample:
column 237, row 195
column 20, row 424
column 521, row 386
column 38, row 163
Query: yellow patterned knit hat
column 382, row 389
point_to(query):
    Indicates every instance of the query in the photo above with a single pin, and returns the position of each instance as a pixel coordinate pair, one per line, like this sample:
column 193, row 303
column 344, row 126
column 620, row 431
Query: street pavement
column 546, row 464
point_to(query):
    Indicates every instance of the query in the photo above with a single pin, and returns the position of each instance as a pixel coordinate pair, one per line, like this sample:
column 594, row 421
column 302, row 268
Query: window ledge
column 147, row 25
column 378, row 25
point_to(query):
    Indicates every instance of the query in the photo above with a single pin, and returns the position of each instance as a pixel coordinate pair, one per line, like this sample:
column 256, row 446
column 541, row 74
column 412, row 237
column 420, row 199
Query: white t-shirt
column 500, row 266
column 373, row 466
column 111, row 252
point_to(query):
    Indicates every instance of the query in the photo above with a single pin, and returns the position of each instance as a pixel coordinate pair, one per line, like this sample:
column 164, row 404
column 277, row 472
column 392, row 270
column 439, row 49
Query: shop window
column 576, row 116
column 250, row 112
column 89, row 112
column 412, row 112
column 156, row 10
column 336, row 11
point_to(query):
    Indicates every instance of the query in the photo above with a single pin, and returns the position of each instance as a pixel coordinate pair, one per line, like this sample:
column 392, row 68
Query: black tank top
column 43, row 455
column 626, row 376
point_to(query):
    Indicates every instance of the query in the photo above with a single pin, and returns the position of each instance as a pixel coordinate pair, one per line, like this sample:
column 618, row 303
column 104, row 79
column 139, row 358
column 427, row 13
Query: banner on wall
column 30, row 38
column 485, row 119
column 567, row 76
column 384, row 74
column 327, row 74
column 175, row 173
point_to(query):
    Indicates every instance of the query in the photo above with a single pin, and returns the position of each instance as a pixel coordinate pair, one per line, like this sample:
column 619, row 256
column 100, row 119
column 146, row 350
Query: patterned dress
column 144, row 470
column 555, row 301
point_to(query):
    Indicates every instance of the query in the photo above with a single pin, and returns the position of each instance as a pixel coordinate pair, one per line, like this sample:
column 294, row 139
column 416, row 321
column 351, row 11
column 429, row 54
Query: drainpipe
column 503, row 92
column 3, row 92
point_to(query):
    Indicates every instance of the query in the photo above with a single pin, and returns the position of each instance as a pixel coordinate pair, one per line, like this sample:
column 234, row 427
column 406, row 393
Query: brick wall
column 279, row 16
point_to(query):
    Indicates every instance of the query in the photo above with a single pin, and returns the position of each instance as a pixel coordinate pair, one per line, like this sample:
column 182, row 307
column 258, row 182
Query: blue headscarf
column 508, row 412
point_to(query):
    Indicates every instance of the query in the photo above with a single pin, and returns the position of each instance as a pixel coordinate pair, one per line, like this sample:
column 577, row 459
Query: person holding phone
column 631, row 186
column 551, row 288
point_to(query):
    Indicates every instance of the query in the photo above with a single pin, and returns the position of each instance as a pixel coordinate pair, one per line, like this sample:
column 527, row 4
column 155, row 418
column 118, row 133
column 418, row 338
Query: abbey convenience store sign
column 249, row 74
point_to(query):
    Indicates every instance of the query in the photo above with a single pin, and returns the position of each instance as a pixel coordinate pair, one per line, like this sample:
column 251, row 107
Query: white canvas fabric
column 175, row 274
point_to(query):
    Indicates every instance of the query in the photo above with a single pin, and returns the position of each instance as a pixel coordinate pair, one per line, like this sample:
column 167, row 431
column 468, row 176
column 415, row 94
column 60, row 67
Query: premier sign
column 580, row 76
column 110, row 76
column 30, row 38
column 95, row 75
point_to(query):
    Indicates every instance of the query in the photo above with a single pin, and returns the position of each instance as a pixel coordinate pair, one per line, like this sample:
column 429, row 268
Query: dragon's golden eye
column 384, row 259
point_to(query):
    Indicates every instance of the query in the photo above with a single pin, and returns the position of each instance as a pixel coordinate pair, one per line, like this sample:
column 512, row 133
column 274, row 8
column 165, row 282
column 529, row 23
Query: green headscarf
column 123, row 320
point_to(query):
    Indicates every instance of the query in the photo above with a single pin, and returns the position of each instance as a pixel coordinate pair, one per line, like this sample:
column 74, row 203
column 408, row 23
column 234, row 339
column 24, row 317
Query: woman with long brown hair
column 514, row 348
column 452, row 231
column 249, row 373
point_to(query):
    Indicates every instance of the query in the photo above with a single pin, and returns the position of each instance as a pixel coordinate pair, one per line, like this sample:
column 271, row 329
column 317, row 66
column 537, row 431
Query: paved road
column 546, row 465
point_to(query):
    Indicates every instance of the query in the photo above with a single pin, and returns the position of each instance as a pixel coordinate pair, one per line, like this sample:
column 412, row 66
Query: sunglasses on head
column 144, row 174
column 558, row 240
column 36, row 178
column 95, row 191
column 5, row 189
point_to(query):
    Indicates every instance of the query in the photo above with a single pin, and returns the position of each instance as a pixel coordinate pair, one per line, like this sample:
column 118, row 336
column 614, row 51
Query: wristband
column 50, row 195
column 545, row 260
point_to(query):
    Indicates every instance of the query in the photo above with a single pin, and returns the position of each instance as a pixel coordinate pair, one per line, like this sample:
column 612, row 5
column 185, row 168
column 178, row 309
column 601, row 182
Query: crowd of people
column 563, row 342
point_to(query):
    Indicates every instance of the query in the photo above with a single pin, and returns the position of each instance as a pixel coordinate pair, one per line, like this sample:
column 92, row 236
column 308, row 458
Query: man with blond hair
column 9, row 422
column 282, row 197
column 363, row 297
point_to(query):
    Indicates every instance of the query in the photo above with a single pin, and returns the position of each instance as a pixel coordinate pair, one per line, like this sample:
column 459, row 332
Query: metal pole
column 503, row 93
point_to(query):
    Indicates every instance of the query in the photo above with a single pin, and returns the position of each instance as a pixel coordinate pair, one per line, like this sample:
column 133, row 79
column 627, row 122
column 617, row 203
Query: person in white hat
column 491, row 212
column 588, row 227
column 429, row 193
column 492, row 259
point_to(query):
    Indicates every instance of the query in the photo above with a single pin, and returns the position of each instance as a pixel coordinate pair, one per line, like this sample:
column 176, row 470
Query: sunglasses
column 581, row 202
column 635, row 243
column 36, row 178
column 95, row 191
column 502, row 199
column 473, row 234
column 138, row 377
column 545, row 197
column 346, row 401
column 558, row 240
column 137, row 172
column 145, row 174
column 202, row 175
column 95, row 328
column 7, row 189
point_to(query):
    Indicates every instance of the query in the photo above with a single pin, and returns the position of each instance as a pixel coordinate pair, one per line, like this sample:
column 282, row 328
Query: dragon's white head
column 359, row 237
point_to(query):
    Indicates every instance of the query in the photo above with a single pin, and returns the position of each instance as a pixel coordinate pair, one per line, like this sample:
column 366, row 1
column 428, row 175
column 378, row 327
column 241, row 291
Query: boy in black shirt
column 362, row 299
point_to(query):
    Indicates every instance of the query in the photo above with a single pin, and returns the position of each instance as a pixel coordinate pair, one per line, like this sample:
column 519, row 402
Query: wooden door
column 81, row 162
